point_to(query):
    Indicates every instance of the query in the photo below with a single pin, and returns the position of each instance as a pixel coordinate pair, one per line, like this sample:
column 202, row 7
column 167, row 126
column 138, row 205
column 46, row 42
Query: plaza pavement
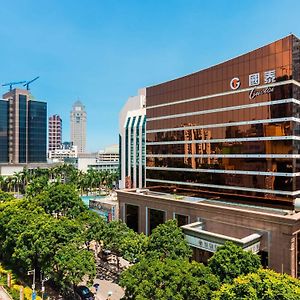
column 105, row 287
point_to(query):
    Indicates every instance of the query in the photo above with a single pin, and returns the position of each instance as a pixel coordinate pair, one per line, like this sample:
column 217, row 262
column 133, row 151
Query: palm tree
column 2, row 182
column 17, row 181
column 9, row 182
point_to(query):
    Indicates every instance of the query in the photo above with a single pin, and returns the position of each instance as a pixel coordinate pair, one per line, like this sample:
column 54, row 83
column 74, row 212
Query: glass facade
column 127, row 134
column 22, row 128
column 135, row 151
column 132, row 142
column 144, row 152
column 232, row 128
column 37, row 131
column 4, row 131
column 137, row 146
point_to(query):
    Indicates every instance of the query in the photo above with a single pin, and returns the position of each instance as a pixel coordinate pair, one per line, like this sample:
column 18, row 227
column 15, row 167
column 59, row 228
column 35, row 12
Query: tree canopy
column 72, row 264
column 168, row 279
column 61, row 199
column 123, row 240
column 230, row 261
column 167, row 240
column 5, row 197
column 263, row 285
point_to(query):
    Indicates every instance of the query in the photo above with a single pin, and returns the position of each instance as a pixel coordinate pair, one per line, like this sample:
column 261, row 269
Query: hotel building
column 223, row 157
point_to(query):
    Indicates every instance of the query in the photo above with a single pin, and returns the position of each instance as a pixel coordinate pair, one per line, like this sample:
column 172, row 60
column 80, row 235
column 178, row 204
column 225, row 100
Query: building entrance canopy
column 198, row 237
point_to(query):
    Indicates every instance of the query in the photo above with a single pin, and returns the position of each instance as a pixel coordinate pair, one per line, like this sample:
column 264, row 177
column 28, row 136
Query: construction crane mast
column 29, row 82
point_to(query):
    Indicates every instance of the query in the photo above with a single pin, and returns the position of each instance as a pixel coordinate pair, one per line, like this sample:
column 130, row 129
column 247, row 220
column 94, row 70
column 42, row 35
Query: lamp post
column 43, row 286
column 32, row 272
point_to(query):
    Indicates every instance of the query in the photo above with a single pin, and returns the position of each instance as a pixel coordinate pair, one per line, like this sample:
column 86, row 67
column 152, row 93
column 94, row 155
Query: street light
column 43, row 286
column 32, row 272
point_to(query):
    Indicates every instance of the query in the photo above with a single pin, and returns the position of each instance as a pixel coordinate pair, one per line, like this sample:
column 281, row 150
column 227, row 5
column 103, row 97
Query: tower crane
column 10, row 84
column 29, row 82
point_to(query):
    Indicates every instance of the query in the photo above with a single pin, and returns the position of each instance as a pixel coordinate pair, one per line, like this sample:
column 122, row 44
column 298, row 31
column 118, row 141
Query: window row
column 282, row 165
column 253, row 147
column 283, row 110
column 242, row 181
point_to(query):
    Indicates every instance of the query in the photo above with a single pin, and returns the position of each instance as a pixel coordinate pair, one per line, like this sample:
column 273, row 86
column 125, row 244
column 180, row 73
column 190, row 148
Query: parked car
column 84, row 293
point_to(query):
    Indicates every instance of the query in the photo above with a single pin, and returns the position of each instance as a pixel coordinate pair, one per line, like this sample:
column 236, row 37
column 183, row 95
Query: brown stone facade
column 279, row 229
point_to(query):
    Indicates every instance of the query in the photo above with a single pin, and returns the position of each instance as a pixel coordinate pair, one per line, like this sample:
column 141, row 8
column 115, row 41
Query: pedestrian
column 96, row 286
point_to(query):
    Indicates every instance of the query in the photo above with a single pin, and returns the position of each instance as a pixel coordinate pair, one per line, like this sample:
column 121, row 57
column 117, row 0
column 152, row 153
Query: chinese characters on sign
column 269, row 77
column 254, row 79
column 209, row 246
column 212, row 246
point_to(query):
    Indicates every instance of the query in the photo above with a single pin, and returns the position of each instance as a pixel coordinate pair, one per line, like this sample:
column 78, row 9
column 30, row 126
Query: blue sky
column 102, row 52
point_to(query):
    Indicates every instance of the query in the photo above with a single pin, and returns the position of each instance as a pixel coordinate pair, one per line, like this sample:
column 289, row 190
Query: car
column 84, row 293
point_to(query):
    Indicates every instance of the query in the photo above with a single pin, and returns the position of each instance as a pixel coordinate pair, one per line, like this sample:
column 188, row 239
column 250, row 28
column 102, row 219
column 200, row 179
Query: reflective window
column 37, row 131
column 4, row 131
column 247, row 120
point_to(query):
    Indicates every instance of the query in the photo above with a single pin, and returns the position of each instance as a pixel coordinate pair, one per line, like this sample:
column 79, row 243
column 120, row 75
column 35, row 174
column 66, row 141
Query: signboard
column 253, row 248
column 254, row 80
column 202, row 243
column 210, row 246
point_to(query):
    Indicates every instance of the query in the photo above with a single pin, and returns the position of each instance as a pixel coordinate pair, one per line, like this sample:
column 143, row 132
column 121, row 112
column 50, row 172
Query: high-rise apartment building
column 223, row 157
column 132, row 124
column 54, row 132
column 78, row 126
column 23, row 128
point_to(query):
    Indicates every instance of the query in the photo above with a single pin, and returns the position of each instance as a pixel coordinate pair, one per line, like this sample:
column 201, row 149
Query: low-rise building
column 63, row 153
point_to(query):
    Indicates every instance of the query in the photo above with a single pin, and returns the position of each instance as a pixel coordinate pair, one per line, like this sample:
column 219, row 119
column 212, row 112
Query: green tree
column 175, row 279
column 167, row 240
column 231, row 261
column 263, row 285
column 4, row 197
column 72, row 264
column 93, row 224
column 14, row 220
column 61, row 199
column 124, row 241
column 42, row 238
column 36, row 186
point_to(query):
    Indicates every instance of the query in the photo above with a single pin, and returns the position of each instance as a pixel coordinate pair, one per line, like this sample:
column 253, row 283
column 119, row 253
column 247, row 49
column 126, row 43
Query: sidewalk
column 105, row 287
column 3, row 295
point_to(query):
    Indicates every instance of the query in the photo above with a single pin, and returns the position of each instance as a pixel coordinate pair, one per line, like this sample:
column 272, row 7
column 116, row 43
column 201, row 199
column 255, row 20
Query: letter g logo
column 235, row 83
